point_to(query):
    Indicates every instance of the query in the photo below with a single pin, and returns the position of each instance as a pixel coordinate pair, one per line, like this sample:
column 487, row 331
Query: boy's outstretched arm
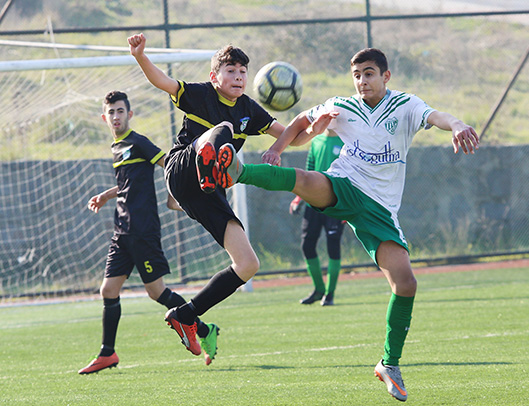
column 463, row 135
column 298, row 132
column 98, row 201
column 155, row 75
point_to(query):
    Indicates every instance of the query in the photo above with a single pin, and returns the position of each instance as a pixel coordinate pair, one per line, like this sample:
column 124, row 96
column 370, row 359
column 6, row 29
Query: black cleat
column 313, row 297
column 328, row 300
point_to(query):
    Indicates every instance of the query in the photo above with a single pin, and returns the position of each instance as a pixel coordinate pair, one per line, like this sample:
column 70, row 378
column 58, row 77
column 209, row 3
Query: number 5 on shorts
column 148, row 267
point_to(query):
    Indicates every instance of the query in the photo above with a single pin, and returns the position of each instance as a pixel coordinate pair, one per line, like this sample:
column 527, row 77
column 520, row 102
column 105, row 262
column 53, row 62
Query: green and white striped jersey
column 376, row 141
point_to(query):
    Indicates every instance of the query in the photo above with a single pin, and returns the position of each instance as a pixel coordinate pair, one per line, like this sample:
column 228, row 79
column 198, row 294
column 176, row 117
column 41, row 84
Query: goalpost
column 55, row 154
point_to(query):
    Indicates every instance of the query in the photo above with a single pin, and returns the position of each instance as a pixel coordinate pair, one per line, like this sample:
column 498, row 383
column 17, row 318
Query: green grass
column 467, row 346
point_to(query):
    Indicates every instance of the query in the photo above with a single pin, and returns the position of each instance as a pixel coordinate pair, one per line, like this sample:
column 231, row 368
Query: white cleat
column 391, row 376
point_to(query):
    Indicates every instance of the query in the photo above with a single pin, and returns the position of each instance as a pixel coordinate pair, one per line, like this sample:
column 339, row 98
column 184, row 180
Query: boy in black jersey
column 217, row 112
column 137, row 234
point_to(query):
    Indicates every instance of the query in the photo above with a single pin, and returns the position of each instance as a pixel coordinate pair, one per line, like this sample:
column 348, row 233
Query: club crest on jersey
column 126, row 154
column 244, row 123
column 391, row 125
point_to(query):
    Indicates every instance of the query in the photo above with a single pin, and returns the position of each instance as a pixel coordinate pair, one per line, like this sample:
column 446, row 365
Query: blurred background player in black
column 324, row 149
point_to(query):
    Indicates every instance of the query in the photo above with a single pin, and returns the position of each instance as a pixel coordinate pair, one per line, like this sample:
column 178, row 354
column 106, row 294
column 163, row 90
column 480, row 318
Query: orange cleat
column 100, row 363
column 207, row 171
column 229, row 166
column 188, row 333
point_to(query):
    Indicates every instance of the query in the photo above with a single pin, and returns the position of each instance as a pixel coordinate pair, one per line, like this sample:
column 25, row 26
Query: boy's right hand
column 295, row 205
column 137, row 44
column 96, row 202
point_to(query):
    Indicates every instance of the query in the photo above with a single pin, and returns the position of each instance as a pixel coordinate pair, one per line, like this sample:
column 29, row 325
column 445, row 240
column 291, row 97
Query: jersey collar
column 124, row 135
column 227, row 102
column 371, row 110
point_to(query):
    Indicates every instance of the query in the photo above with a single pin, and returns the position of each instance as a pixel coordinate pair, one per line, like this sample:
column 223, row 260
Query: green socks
column 333, row 270
column 314, row 270
column 268, row 177
column 398, row 323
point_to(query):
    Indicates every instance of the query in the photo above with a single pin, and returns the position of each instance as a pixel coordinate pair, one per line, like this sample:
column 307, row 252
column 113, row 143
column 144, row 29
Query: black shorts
column 314, row 221
column 127, row 251
column 212, row 210
column 311, row 226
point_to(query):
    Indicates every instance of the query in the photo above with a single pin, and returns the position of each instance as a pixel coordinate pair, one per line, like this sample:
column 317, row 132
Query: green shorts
column 371, row 222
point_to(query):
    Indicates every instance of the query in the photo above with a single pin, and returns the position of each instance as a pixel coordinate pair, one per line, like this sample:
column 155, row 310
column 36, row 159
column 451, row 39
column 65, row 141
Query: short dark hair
column 228, row 55
column 114, row 96
column 371, row 54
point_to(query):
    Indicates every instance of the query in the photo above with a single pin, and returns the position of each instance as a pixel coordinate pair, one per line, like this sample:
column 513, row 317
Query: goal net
column 55, row 154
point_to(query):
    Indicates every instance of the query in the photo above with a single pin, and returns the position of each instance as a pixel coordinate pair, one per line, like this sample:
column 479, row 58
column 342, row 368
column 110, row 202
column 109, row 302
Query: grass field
column 468, row 346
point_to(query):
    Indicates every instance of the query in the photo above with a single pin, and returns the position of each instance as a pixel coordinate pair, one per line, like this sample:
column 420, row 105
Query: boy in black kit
column 217, row 113
column 137, row 235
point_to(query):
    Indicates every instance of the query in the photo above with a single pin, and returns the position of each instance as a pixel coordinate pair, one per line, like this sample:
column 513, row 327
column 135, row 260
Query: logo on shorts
column 244, row 123
column 391, row 125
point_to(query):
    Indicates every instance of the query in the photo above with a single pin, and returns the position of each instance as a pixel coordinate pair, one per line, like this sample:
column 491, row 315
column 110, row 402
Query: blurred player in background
column 324, row 149
column 364, row 185
column 137, row 234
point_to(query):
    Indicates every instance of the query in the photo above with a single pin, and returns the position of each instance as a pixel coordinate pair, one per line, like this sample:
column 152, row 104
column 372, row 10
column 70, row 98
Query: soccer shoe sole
column 207, row 168
column 228, row 166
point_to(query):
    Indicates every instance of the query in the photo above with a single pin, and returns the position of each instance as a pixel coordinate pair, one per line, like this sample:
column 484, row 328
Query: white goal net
column 55, row 154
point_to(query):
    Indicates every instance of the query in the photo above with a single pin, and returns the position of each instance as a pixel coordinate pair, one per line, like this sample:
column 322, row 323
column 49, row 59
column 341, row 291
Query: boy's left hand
column 466, row 138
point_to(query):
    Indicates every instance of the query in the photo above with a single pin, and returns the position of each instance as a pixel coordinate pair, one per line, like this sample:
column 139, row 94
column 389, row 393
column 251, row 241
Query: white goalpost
column 55, row 154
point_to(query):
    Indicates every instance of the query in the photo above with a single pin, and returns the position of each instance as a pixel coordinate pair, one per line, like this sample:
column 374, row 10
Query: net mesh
column 55, row 154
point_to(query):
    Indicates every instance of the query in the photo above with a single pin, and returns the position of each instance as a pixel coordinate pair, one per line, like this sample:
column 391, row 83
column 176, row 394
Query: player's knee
column 248, row 266
column 253, row 264
column 302, row 179
column 154, row 295
column 407, row 286
column 309, row 252
column 108, row 292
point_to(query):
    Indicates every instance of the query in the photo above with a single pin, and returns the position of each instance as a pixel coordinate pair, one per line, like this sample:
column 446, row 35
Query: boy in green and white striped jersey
column 364, row 184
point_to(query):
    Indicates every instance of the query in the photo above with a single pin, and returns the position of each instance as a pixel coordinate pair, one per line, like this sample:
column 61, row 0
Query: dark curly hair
column 114, row 96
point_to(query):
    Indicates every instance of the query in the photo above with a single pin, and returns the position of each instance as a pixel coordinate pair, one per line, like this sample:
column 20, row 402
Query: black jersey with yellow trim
column 136, row 207
column 205, row 108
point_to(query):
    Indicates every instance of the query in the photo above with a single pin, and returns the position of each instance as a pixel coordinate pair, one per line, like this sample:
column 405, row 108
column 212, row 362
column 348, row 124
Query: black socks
column 170, row 299
column 219, row 287
column 111, row 316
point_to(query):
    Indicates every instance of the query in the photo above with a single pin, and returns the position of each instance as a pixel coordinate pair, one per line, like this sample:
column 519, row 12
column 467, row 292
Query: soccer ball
column 278, row 85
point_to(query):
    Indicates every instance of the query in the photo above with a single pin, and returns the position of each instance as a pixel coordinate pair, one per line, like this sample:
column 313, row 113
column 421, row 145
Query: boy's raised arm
column 155, row 75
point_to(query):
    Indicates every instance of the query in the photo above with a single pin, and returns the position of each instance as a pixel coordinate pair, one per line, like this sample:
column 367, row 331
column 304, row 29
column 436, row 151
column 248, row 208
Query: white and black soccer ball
column 278, row 85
